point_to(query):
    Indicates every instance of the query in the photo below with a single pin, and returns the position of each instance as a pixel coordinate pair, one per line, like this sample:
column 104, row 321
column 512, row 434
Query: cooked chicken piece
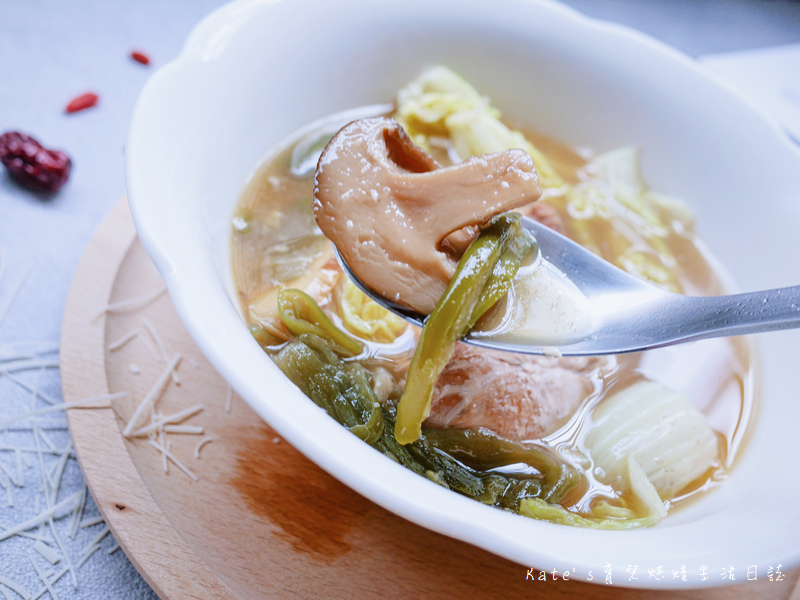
column 518, row 396
column 388, row 205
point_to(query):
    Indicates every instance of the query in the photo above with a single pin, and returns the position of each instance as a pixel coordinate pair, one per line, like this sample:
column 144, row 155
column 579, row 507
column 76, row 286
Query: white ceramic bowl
column 257, row 70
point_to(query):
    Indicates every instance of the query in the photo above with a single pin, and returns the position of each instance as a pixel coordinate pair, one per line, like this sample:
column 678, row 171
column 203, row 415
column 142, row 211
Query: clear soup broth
column 277, row 244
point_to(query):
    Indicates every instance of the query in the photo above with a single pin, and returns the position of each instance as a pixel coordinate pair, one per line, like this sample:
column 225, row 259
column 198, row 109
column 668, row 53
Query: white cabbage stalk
column 645, row 499
column 658, row 427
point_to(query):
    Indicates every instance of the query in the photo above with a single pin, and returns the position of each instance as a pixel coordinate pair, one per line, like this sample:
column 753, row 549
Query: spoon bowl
column 628, row 314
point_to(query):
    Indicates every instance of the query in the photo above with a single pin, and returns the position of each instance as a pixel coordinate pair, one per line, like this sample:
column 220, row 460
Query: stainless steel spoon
column 632, row 315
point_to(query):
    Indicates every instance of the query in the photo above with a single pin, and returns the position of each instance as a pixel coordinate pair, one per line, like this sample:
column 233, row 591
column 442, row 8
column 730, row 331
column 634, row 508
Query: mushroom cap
column 387, row 205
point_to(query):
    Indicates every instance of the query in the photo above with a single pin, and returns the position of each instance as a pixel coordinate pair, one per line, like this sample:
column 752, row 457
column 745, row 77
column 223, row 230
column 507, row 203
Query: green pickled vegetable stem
column 483, row 449
column 457, row 311
column 344, row 391
column 502, row 274
column 302, row 315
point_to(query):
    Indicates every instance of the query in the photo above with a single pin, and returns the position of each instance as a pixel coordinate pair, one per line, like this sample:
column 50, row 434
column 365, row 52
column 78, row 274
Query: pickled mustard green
column 447, row 457
column 302, row 315
column 482, row 277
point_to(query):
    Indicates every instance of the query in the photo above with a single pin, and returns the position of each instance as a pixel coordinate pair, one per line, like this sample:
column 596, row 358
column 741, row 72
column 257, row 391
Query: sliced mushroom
column 388, row 205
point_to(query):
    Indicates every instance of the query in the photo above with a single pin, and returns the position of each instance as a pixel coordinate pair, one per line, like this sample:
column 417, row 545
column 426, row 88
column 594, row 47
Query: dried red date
column 32, row 165
column 140, row 57
column 81, row 103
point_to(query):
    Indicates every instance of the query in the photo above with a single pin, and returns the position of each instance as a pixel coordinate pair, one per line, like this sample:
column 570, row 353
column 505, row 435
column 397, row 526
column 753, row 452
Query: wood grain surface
column 261, row 521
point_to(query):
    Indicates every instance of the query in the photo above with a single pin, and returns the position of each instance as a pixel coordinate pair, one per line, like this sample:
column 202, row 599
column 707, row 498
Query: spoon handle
column 704, row 317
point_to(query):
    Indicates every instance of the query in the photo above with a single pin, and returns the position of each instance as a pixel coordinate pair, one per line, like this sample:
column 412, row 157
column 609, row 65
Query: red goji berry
column 32, row 165
column 140, row 57
column 81, row 102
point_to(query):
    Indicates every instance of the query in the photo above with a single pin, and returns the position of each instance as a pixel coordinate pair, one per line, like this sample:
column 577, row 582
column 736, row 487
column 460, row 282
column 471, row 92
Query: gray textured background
column 51, row 51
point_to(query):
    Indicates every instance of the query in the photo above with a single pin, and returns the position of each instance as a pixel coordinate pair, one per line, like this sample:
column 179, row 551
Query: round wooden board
column 261, row 520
